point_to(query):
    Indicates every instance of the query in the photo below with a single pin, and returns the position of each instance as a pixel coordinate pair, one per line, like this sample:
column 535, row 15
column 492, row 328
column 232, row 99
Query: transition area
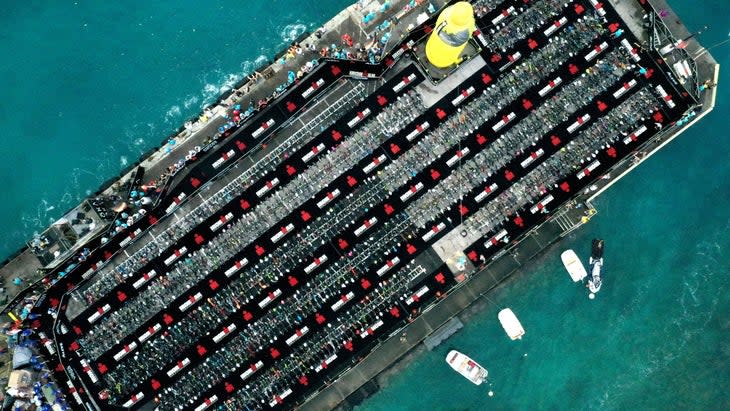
column 351, row 204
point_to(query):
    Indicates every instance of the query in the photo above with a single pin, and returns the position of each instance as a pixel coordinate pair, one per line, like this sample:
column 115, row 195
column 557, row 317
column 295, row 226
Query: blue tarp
column 21, row 357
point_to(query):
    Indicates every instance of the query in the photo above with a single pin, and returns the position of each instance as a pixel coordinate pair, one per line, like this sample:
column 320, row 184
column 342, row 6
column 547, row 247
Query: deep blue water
column 87, row 87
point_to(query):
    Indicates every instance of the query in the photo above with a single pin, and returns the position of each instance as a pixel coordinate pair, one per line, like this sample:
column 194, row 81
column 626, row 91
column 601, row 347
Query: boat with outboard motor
column 467, row 367
column 573, row 265
column 511, row 324
column 596, row 265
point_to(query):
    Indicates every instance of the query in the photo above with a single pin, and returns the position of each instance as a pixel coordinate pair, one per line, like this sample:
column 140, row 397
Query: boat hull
column 467, row 367
column 511, row 324
column 573, row 265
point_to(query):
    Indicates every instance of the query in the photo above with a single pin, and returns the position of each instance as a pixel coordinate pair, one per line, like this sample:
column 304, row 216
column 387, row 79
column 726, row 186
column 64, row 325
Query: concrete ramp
column 443, row 333
column 430, row 93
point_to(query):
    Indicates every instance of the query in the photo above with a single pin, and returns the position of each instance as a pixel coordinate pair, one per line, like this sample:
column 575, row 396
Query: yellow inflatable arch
column 454, row 27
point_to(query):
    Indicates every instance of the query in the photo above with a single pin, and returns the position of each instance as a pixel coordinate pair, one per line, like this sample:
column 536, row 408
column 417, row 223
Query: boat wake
column 138, row 138
column 700, row 292
column 190, row 101
column 39, row 221
column 290, row 32
column 172, row 114
column 697, row 299
column 221, row 83
column 218, row 82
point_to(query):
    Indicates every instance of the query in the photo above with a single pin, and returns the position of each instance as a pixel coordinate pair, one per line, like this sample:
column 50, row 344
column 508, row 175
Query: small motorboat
column 511, row 324
column 467, row 367
column 596, row 265
column 572, row 263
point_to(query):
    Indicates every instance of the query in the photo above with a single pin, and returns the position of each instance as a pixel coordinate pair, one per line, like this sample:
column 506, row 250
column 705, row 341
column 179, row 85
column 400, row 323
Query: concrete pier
column 428, row 319
column 440, row 335
column 517, row 258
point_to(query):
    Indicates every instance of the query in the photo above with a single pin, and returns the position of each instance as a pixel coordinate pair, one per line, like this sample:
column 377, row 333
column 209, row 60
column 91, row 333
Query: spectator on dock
column 254, row 77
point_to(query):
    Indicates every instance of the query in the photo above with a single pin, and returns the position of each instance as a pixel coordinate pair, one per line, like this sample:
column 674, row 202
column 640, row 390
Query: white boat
column 467, row 367
column 573, row 265
column 596, row 264
column 511, row 324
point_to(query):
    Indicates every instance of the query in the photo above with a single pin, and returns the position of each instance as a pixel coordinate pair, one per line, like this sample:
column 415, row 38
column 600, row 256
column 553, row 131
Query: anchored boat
column 467, row 367
column 596, row 264
column 511, row 324
column 572, row 263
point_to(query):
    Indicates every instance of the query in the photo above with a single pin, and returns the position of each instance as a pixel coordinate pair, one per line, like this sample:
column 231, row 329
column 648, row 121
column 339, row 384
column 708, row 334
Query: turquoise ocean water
column 88, row 86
